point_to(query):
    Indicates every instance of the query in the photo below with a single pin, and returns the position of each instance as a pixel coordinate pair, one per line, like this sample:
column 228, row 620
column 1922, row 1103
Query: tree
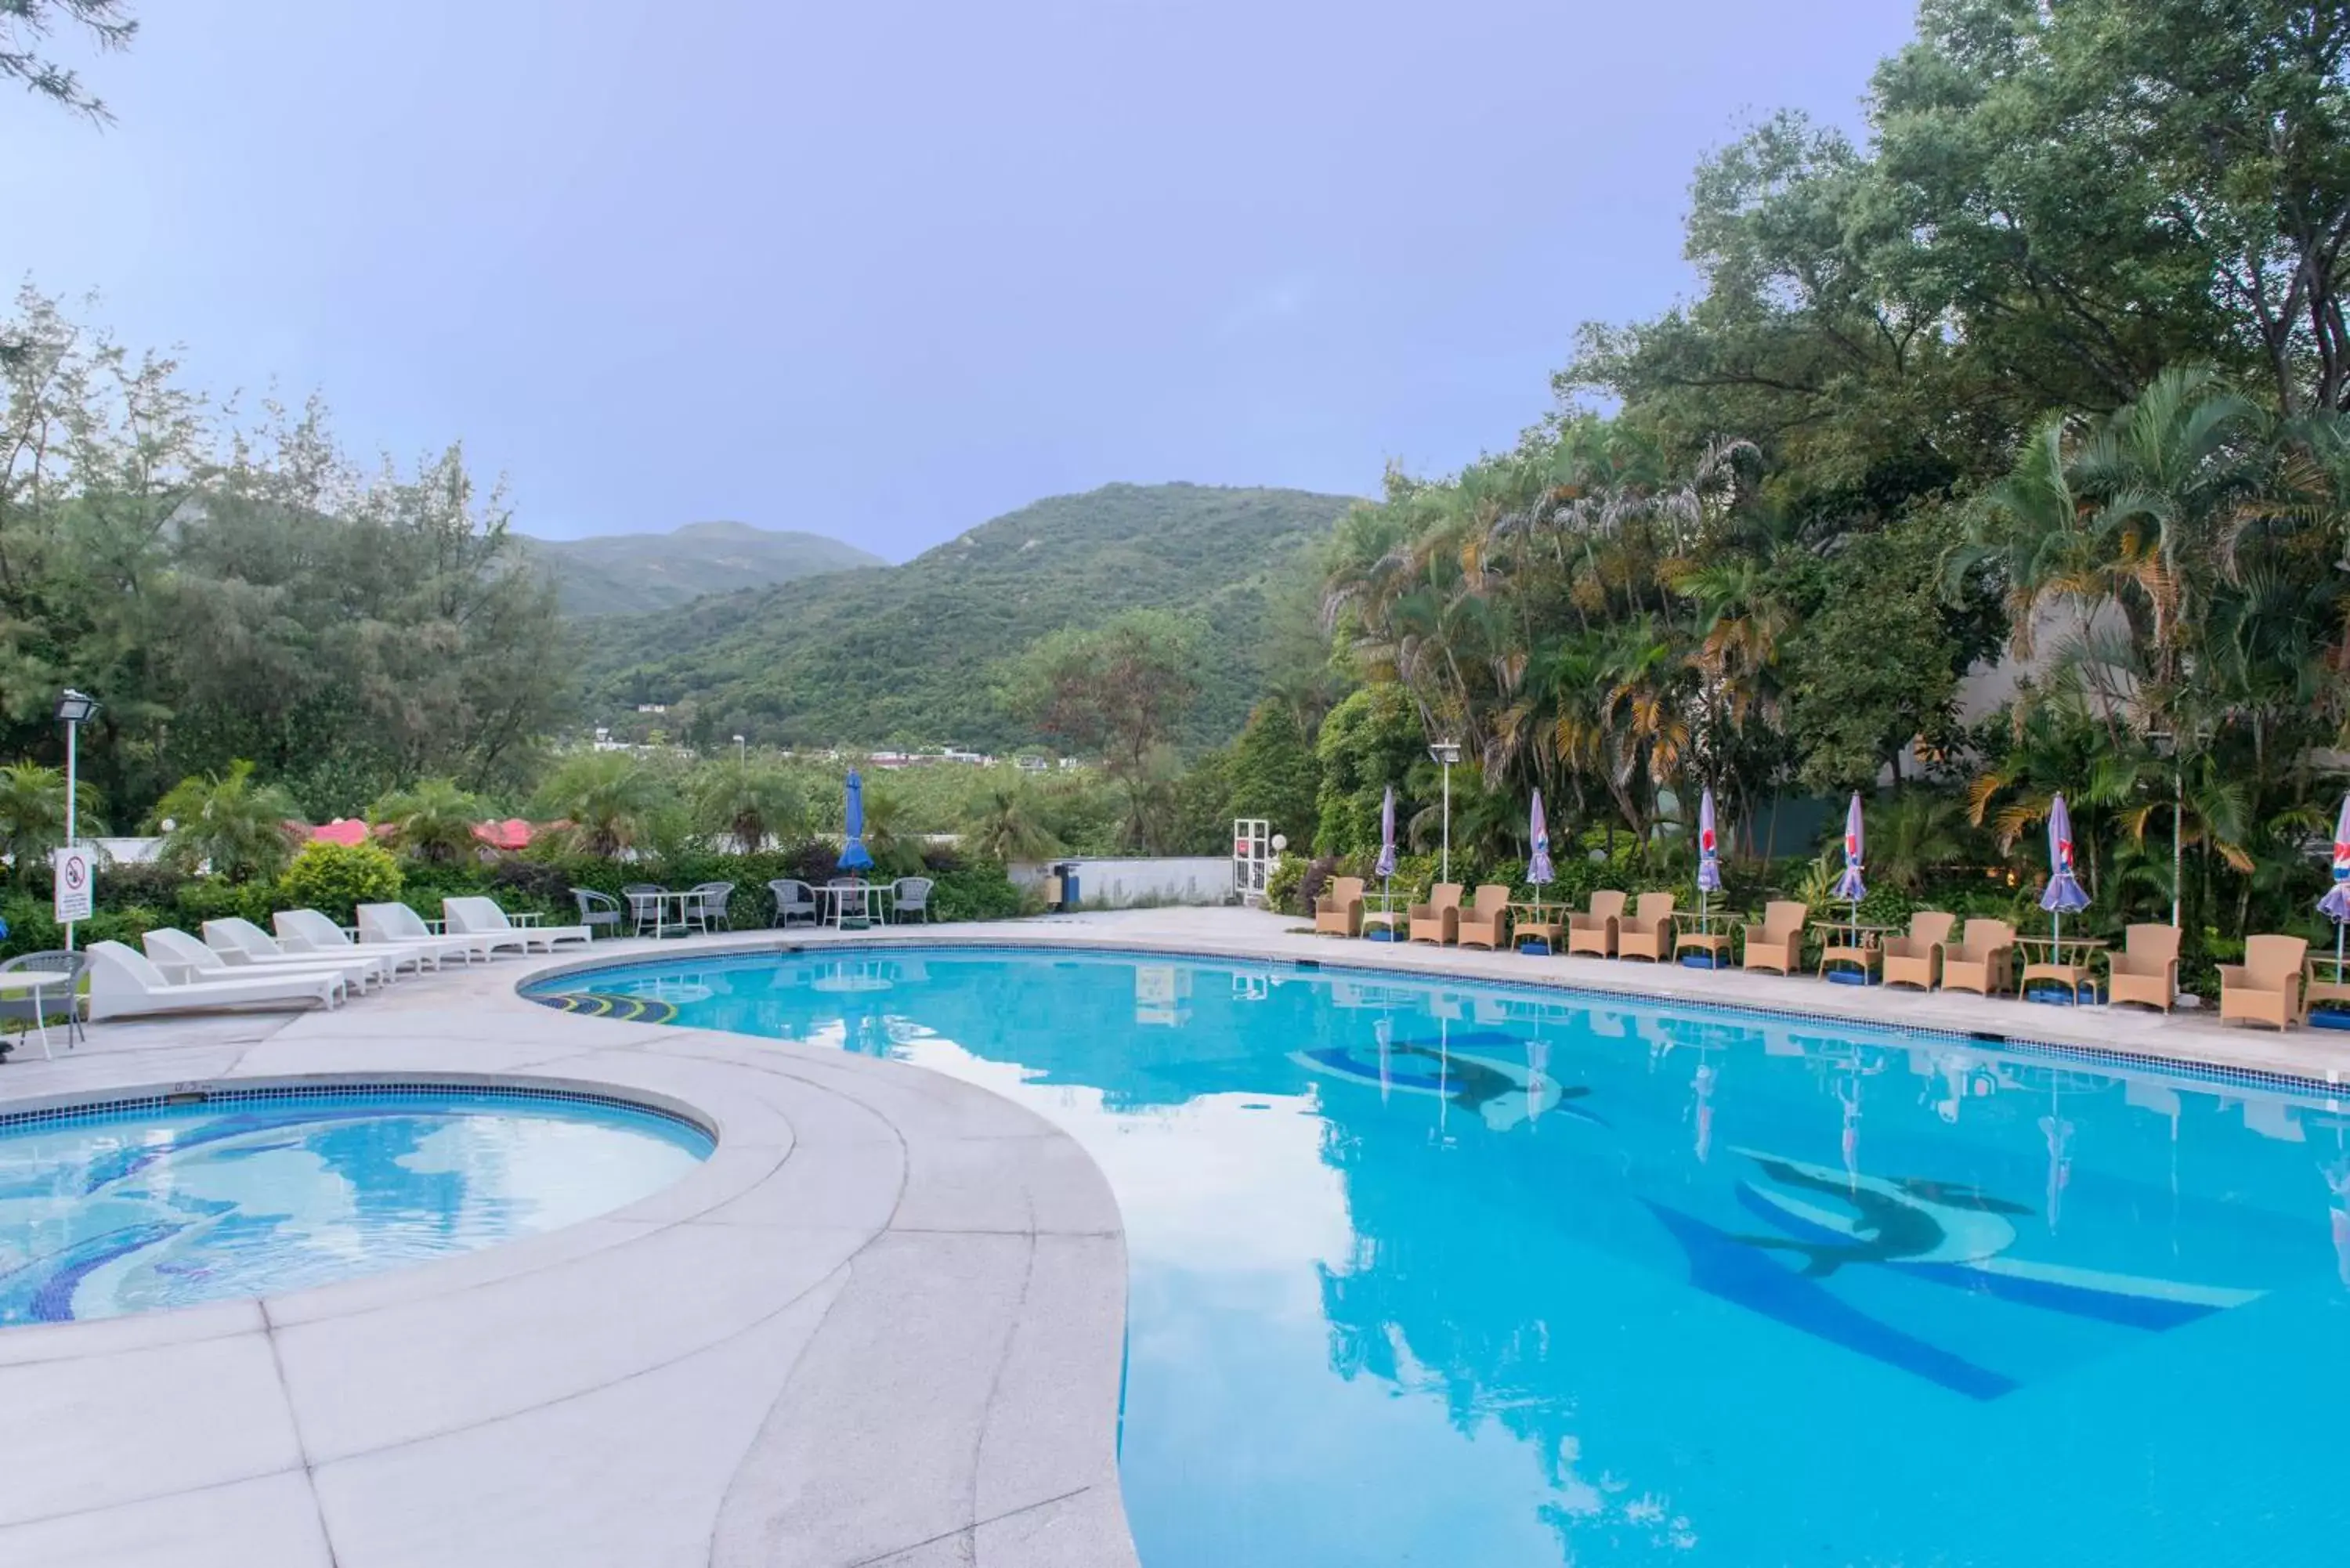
column 1877, row 666
column 1369, row 741
column 32, row 814
column 251, row 593
column 23, row 24
column 608, row 801
column 1917, row 834
column 434, row 822
column 1005, row 827
column 229, row 824
column 747, row 801
column 1118, row 691
column 1273, row 774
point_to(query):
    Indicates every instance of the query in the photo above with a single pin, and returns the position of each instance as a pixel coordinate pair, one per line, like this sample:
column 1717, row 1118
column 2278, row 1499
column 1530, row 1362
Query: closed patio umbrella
column 1386, row 868
column 1849, row 887
column 855, row 856
column 1708, row 852
column 2064, row 893
column 2336, row 905
column 1540, row 873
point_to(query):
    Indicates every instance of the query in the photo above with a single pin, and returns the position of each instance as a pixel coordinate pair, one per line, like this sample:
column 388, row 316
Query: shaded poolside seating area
column 1935, row 953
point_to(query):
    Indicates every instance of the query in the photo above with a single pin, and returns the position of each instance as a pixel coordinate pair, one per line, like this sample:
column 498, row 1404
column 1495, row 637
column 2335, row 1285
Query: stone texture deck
column 883, row 1323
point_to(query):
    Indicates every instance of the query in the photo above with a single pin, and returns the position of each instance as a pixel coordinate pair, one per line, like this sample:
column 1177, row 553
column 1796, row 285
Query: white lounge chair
column 399, row 923
column 483, row 917
column 308, row 931
column 246, row 946
column 185, row 960
column 122, row 984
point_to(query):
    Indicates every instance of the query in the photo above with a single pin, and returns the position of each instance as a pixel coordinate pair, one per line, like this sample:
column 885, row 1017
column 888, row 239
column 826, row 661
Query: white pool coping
column 883, row 1325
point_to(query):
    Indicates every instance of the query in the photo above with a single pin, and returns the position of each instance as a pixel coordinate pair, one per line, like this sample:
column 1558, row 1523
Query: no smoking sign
column 75, row 870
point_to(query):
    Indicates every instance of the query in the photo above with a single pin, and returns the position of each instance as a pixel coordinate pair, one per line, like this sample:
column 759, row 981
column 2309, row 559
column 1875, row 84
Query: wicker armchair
column 1777, row 944
column 1917, row 958
column 1439, row 919
column 1983, row 961
column 1593, row 930
column 1485, row 923
column 1338, row 912
column 2146, row 970
column 2266, row 987
column 1647, row 933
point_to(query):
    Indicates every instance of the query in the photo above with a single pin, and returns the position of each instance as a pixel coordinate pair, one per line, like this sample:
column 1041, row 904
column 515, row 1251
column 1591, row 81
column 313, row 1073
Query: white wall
column 1115, row 884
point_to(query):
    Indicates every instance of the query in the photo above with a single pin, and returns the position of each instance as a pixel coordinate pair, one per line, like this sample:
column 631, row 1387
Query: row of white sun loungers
column 309, row 958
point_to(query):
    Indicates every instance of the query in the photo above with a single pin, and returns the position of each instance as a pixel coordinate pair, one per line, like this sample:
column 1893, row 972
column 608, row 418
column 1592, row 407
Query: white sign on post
column 75, row 869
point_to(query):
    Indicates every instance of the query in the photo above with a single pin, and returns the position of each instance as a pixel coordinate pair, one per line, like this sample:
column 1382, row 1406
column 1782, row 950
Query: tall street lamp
column 2166, row 744
column 74, row 710
column 1444, row 753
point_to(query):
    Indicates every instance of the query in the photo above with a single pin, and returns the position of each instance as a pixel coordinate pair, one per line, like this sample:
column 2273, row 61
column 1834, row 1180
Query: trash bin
column 1065, row 874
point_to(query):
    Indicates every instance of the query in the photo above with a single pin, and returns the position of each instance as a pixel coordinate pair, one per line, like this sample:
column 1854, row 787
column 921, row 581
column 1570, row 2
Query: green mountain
column 626, row 573
column 906, row 654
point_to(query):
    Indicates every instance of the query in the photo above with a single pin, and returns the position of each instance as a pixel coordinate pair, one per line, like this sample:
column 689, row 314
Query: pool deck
column 883, row 1325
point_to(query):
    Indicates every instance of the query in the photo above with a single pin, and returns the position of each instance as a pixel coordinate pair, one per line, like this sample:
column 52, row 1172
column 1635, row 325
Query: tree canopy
column 26, row 26
column 247, row 593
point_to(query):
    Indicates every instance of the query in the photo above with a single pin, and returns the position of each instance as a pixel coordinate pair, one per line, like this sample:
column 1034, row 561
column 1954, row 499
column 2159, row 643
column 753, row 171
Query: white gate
column 1252, row 858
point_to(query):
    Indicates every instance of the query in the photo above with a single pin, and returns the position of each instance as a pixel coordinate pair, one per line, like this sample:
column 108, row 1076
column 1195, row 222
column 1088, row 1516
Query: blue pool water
column 1465, row 1275
column 129, row 1211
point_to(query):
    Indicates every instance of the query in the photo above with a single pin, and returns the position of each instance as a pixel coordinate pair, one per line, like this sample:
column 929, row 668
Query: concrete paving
column 883, row 1323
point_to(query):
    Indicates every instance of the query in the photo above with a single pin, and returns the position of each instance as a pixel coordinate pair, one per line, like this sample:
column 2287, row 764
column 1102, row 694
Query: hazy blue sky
column 885, row 271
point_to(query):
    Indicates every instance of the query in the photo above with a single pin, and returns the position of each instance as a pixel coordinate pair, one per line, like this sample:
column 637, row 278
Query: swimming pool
column 139, row 1205
column 1465, row 1274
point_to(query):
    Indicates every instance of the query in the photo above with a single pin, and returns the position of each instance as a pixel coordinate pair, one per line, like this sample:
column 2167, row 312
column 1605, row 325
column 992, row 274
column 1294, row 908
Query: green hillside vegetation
column 634, row 574
column 911, row 653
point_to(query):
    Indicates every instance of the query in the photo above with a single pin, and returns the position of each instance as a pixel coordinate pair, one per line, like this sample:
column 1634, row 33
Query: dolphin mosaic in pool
column 1505, row 1093
column 1941, row 1233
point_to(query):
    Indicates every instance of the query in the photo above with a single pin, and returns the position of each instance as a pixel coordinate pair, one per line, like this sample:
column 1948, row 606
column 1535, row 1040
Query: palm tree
column 33, row 813
column 229, row 824
column 749, row 802
column 894, row 851
column 434, row 821
column 1003, row 826
column 1916, row 833
column 608, row 802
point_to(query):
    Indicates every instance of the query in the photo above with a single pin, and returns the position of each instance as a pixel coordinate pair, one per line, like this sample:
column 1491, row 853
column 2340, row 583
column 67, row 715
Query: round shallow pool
column 138, row 1205
column 1470, row 1275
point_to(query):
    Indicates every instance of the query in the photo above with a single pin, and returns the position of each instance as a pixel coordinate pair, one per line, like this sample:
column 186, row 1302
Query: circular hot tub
column 136, row 1204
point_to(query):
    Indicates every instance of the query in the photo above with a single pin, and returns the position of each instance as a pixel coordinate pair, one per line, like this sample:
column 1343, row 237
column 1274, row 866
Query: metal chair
column 598, row 910
column 708, row 906
column 795, row 901
column 644, row 906
column 69, row 967
column 910, row 895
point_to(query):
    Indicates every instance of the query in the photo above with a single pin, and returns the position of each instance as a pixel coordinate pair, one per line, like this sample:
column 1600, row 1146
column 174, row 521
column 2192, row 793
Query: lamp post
column 2165, row 743
column 74, row 711
column 1444, row 753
